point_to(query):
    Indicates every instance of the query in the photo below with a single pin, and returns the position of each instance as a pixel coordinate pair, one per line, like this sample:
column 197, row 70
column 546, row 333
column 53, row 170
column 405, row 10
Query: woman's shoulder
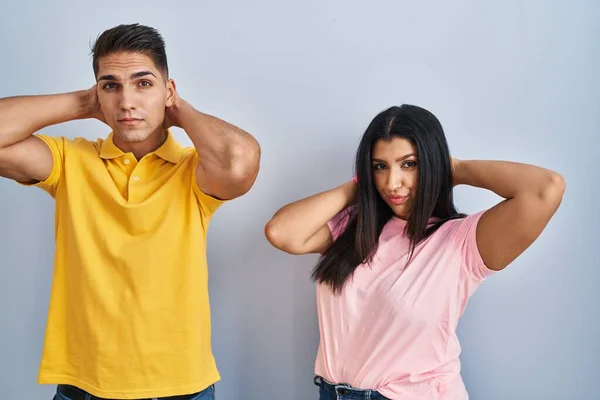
column 456, row 230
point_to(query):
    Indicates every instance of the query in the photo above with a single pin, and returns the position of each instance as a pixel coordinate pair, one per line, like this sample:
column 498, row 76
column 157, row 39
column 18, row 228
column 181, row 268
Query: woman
column 399, row 262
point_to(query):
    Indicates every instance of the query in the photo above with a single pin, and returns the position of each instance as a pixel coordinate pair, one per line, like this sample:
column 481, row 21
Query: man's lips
column 130, row 121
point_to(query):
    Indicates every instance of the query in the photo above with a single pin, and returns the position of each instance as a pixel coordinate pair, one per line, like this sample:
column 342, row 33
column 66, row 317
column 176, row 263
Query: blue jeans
column 65, row 392
column 342, row 391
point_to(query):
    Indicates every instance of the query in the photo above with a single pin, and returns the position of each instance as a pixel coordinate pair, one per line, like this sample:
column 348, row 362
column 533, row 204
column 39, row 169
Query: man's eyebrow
column 141, row 73
column 108, row 78
column 135, row 75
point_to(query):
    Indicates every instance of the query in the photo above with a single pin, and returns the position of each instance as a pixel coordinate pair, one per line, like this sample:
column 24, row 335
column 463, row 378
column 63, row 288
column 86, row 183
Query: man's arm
column 24, row 157
column 229, row 157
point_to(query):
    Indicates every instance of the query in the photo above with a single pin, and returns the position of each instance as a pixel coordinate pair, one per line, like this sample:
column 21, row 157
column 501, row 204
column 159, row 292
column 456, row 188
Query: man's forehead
column 124, row 65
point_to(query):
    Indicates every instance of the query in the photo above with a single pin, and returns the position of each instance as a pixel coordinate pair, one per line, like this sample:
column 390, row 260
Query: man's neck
column 140, row 149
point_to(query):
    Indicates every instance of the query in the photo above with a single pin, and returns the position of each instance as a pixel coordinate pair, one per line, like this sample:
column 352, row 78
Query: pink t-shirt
column 393, row 328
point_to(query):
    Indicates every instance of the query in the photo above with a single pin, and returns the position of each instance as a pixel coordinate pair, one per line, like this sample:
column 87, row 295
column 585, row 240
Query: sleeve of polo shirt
column 466, row 240
column 208, row 204
column 57, row 148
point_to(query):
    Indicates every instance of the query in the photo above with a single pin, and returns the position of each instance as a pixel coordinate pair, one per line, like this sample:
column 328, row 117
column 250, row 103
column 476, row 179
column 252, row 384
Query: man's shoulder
column 68, row 143
column 188, row 154
column 83, row 144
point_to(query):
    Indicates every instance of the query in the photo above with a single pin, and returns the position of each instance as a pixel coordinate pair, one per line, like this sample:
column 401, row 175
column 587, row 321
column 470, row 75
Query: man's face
column 133, row 94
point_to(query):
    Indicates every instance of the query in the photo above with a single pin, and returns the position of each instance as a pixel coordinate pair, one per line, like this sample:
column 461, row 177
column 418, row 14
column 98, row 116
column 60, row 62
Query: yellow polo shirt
column 129, row 312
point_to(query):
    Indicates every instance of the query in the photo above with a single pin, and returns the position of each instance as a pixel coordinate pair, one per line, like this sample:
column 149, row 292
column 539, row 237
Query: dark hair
column 358, row 243
column 131, row 38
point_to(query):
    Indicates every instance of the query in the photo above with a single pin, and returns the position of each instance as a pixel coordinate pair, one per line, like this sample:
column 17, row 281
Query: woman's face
column 395, row 173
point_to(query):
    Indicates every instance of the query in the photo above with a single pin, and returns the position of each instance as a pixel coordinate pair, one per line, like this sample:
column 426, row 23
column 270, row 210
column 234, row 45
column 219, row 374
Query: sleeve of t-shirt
column 208, row 204
column 466, row 240
column 337, row 225
column 58, row 147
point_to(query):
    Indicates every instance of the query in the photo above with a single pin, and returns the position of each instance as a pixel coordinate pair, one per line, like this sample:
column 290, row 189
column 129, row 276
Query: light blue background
column 515, row 80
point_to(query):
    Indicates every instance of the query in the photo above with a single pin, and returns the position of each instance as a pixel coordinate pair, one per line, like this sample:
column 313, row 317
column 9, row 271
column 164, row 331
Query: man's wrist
column 82, row 108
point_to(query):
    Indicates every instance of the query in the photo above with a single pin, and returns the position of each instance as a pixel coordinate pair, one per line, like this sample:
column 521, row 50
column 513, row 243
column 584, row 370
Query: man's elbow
column 243, row 171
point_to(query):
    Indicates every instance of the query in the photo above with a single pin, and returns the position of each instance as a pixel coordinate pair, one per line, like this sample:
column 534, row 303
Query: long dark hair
column 358, row 243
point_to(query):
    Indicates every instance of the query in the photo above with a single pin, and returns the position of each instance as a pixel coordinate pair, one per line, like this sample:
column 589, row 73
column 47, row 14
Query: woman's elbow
column 553, row 190
column 277, row 237
column 272, row 234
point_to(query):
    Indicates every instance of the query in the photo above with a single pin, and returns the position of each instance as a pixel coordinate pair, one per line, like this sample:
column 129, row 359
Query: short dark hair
column 131, row 38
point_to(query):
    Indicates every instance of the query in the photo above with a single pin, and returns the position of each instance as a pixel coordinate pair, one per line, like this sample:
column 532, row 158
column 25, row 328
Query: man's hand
column 91, row 104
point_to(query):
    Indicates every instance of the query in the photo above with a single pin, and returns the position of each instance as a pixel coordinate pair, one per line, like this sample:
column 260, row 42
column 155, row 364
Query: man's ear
column 171, row 92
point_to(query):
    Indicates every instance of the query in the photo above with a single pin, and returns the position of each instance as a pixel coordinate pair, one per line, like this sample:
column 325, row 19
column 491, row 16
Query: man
column 129, row 310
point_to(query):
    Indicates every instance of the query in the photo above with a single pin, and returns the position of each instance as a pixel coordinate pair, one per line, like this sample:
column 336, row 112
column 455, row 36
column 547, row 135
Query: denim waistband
column 74, row 393
column 345, row 391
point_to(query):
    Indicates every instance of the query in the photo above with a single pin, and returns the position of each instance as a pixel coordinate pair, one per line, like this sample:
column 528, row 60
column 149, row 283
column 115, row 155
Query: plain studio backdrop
column 515, row 80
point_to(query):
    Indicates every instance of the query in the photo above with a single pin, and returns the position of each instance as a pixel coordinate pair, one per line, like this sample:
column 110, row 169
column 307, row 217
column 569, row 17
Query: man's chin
column 132, row 136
